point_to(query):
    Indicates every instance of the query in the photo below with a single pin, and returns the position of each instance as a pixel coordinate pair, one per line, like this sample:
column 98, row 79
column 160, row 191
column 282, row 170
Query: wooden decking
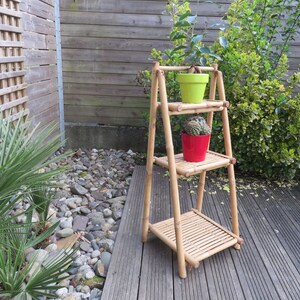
column 266, row 267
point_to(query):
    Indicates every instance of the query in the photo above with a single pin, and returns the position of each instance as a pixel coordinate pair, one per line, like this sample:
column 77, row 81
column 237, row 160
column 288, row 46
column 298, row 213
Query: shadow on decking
column 266, row 267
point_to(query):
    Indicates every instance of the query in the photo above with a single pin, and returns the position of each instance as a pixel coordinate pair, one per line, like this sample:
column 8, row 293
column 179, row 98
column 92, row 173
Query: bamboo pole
column 150, row 153
column 230, row 168
column 209, row 103
column 173, row 246
column 239, row 240
column 196, row 111
column 212, row 95
column 173, row 174
column 184, row 68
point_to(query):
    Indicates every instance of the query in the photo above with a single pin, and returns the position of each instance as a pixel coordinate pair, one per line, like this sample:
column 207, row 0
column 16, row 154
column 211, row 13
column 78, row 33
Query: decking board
column 266, row 267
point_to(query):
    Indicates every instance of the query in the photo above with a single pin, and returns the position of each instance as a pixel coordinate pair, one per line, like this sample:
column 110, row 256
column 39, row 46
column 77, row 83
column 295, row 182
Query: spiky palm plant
column 23, row 153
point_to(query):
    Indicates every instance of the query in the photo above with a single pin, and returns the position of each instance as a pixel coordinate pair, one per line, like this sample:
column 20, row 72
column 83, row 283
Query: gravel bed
column 90, row 202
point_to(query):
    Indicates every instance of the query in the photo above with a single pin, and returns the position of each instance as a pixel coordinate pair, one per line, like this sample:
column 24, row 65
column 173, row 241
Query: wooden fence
column 13, row 99
column 28, row 59
column 105, row 44
column 40, row 59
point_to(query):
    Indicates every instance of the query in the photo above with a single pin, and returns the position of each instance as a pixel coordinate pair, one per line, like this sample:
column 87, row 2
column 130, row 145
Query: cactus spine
column 196, row 126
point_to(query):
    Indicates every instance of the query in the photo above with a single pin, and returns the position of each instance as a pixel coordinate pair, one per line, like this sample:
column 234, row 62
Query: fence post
column 59, row 70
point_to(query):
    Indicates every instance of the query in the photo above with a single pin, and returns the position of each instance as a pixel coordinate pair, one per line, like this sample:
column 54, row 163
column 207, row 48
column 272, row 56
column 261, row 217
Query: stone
column 107, row 212
column 95, row 253
column 121, row 199
column 117, row 213
column 99, row 234
column 89, row 236
column 64, row 208
column 60, row 214
column 97, row 218
column 70, row 297
column 71, row 204
column 112, row 235
column 110, row 221
column 94, row 245
column 65, row 224
column 85, row 210
column 90, row 274
column 106, row 244
column 95, row 294
column 62, row 292
column 73, row 271
column 106, row 258
column 85, row 289
column 93, row 205
column 100, row 196
column 106, row 227
column 80, row 223
column 64, row 232
column 77, row 189
column 100, row 269
column 85, row 246
column 68, row 214
column 38, row 255
column 51, row 248
column 93, row 261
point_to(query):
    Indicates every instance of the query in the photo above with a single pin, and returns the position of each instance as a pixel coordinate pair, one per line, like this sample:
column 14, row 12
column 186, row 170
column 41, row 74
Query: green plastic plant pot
column 192, row 87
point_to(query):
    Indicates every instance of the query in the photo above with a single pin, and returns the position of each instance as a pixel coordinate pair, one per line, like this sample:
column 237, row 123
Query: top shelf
column 179, row 108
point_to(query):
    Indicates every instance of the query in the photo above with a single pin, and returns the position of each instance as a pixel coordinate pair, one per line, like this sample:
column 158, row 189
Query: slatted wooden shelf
column 179, row 108
column 212, row 161
column 202, row 237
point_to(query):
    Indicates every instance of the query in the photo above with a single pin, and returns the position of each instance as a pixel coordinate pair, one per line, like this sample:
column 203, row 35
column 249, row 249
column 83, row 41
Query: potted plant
column 192, row 85
column 195, row 139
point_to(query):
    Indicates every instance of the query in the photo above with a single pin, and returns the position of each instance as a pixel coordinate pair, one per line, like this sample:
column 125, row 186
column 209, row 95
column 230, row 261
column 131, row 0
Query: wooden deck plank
column 274, row 255
column 196, row 286
column 156, row 280
column 264, row 268
column 279, row 265
column 123, row 276
column 280, row 219
column 224, row 282
column 255, row 284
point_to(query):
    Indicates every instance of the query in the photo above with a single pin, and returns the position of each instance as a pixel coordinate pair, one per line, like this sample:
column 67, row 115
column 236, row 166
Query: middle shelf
column 212, row 161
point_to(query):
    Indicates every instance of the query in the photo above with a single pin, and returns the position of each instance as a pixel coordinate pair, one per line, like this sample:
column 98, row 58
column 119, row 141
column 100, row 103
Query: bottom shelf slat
column 202, row 237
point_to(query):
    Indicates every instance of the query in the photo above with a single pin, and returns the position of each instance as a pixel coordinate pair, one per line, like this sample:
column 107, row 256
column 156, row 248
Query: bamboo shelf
column 202, row 237
column 192, row 235
column 179, row 108
column 212, row 161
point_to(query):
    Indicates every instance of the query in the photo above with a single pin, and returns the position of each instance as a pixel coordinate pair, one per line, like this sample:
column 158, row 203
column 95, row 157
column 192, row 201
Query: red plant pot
column 194, row 147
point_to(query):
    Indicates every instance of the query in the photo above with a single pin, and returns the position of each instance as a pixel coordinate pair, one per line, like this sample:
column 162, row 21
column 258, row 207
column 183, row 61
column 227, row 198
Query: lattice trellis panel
column 13, row 99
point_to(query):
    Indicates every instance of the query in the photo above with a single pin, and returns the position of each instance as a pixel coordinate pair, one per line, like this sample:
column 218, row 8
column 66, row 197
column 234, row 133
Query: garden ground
column 266, row 266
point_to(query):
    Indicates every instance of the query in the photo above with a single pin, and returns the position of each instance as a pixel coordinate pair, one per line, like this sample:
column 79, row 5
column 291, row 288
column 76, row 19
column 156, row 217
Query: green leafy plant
column 265, row 104
column 187, row 48
column 24, row 157
column 196, row 126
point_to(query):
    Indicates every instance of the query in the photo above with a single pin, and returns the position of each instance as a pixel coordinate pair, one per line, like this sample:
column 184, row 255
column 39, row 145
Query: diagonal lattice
column 13, row 99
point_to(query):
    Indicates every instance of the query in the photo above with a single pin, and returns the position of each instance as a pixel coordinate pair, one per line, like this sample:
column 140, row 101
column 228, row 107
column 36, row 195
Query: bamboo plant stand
column 192, row 235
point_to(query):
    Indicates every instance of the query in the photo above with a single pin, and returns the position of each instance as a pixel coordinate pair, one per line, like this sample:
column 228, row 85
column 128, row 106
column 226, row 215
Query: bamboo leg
column 212, row 96
column 200, row 191
column 173, row 175
column 230, row 168
column 150, row 153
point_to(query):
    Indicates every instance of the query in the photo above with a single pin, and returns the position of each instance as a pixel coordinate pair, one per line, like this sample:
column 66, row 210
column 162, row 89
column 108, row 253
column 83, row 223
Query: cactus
column 196, row 126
